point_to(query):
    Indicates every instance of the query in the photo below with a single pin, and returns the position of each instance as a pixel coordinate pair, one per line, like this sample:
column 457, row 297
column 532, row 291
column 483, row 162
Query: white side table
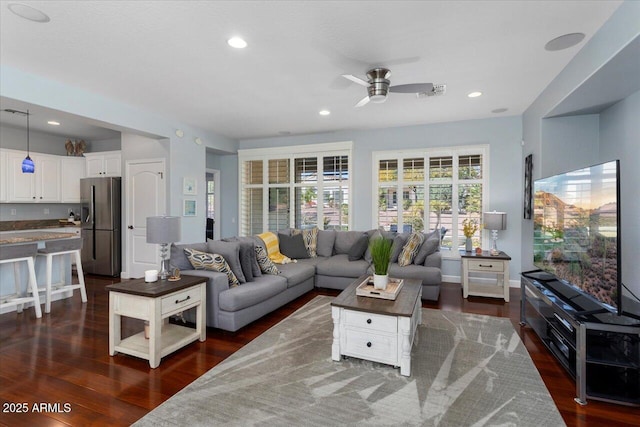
column 154, row 302
column 485, row 263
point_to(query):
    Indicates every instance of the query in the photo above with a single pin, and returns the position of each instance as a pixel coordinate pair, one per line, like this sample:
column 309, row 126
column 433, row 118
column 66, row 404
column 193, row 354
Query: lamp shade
column 163, row 229
column 495, row 220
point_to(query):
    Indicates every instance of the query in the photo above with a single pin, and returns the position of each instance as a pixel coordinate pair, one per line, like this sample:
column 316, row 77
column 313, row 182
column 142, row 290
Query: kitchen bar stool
column 17, row 254
column 62, row 248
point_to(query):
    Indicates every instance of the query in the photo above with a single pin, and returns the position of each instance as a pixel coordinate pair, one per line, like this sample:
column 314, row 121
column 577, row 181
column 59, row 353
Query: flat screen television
column 577, row 233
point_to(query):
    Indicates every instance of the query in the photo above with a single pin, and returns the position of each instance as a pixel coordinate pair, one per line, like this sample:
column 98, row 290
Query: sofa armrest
column 216, row 283
column 433, row 260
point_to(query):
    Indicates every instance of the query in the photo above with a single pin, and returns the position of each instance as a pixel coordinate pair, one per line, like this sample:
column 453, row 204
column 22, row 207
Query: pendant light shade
column 27, row 163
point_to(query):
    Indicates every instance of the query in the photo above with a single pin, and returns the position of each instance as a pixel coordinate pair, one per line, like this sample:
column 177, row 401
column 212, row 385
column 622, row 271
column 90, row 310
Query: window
column 302, row 187
column 427, row 189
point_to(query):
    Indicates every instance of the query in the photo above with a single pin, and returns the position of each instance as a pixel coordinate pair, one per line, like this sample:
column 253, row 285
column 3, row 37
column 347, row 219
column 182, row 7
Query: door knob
column 130, row 227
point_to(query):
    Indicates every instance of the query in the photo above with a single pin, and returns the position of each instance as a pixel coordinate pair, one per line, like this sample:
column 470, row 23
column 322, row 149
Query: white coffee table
column 376, row 329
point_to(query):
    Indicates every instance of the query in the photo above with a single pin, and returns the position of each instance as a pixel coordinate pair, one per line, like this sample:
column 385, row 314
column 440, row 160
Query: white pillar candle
column 151, row 276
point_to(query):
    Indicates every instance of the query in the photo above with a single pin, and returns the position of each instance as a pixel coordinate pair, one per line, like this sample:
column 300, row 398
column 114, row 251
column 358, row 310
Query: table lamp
column 163, row 230
column 495, row 221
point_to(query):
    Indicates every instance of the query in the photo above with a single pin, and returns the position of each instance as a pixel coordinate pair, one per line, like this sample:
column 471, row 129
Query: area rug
column 466, row 370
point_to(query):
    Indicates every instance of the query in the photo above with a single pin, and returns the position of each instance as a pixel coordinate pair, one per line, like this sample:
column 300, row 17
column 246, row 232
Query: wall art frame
column 528, row 186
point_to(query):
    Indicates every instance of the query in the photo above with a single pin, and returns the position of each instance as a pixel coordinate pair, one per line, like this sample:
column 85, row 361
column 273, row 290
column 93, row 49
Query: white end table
column 154, row 302
column 485, row 263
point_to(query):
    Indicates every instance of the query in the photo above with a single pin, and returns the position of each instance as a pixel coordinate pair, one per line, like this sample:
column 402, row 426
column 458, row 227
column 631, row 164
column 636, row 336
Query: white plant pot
column 380, row 281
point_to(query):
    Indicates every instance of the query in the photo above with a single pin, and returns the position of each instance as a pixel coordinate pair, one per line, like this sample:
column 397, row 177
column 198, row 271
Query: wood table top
column 402, row 306
column 155, row 289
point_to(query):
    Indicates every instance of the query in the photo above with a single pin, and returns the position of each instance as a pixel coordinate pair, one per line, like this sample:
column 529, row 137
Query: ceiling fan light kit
column 378, row 86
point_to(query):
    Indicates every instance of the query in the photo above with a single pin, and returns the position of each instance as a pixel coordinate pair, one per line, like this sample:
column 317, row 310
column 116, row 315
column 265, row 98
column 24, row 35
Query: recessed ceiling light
column 179, row 133
column 197, row 140
column 28, row 12
column 237, row 43
column 474, row 94
column 564, row 42
column 324, row 112
column 499, row 110
column 53, row 123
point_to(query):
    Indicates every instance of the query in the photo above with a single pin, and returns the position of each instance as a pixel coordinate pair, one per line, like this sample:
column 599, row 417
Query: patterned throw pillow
column 215, row 262
column 310, row 237
column 410, row 249
column 273, row 249
column 266, row 265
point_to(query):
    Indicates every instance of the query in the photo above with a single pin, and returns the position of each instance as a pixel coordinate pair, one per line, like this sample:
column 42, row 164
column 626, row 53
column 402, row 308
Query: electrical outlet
column 13, row 212
column 46, row 211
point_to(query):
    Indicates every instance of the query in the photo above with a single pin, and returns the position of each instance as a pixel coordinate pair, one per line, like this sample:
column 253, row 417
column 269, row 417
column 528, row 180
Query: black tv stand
column 599, row 349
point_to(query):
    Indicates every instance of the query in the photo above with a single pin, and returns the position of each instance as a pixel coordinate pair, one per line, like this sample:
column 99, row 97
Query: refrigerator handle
column 92, row 205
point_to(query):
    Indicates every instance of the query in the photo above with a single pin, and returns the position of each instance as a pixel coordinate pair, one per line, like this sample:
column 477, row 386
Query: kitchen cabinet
column 3, row 176
column 107, row 163
column 73, row 170
column 43, row 186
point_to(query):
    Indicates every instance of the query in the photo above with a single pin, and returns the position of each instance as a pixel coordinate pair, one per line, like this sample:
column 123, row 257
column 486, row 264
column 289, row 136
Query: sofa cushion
column 247, row 256
column 310, row 237
column 428, row 275
column 398, row 243
column 326, row 240
column 231, row 253
column 272, row 244
column 249, row 294
column 293, row 246
column 266, row 265
column 340, row 266
column 431, row 244
column 297, row 272
column 345, row 240
column 179, row 258
column 215, row 262
column 359, row 247
column 410, row 249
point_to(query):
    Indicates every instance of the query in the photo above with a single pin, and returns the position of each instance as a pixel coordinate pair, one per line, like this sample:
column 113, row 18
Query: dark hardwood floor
column 57, row 369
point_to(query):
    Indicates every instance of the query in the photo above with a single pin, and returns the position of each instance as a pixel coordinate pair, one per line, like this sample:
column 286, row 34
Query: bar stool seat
column 16, row 254
column 62, row 248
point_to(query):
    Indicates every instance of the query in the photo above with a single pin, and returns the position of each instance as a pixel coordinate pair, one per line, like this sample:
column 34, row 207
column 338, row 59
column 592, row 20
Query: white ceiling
column 171, row 57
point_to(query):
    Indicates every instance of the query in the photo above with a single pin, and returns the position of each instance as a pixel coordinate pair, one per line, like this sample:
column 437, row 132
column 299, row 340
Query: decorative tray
column 366, row 289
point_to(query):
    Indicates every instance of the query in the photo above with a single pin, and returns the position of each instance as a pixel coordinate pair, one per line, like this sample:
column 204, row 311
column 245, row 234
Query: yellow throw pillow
column 273, row 249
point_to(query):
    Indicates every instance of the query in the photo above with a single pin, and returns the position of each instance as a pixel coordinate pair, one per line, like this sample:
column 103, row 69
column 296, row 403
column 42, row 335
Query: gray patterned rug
column 467, row 370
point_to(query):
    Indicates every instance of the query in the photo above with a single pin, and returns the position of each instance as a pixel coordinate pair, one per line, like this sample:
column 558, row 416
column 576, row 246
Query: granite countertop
column 16, row 237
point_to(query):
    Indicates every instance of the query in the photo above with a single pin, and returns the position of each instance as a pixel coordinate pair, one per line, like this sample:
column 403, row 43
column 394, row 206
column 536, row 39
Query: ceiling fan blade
column 412, row 88
column 363, row 101
column 355, row 79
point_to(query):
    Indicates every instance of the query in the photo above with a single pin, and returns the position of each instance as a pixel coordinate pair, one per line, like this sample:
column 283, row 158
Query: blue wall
column 503, row 135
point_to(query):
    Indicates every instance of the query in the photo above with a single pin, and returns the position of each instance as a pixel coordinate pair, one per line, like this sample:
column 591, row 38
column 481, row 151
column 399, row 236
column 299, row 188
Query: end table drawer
column 374, row 322
column 178, row 300
column 364, row 345
column 486, row 265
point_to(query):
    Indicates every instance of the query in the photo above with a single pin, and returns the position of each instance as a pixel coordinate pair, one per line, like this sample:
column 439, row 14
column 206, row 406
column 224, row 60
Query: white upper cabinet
column 41, row 186
column 73, row 170
column 3, row 176
column 107, row 163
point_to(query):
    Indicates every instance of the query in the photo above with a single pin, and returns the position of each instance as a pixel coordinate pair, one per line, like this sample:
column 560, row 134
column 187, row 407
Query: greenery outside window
column 420, row 190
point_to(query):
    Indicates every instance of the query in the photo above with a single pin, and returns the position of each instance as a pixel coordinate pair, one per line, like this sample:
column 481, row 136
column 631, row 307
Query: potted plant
column 381, row 257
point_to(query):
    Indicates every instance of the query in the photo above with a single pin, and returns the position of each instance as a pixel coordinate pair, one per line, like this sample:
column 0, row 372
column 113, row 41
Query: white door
column 146, row 196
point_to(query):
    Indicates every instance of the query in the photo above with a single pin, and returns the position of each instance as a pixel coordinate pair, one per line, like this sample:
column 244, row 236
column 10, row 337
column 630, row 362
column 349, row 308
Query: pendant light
column 27, row 163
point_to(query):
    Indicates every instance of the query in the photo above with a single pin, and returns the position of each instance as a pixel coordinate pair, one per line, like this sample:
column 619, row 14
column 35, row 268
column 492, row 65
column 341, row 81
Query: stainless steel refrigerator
column 101, row 232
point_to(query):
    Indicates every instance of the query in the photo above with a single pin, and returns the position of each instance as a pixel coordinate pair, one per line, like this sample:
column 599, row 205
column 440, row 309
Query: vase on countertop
column 468, row 245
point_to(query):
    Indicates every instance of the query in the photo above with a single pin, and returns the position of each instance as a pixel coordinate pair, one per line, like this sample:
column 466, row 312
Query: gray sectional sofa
column 231, row 308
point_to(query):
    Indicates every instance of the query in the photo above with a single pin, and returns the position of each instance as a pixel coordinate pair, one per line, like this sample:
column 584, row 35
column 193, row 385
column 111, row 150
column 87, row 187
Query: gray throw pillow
column 359, row 247
column 178, row 257
column 345, row 240
column 326, row 239
column 292, row 246
column 398, row 244
column 247, row 250
column 431, row 244
column 231, row 253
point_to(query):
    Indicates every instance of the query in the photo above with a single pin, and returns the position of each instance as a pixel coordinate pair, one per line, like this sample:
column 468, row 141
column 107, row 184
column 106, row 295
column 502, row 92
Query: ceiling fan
column 378, row 86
